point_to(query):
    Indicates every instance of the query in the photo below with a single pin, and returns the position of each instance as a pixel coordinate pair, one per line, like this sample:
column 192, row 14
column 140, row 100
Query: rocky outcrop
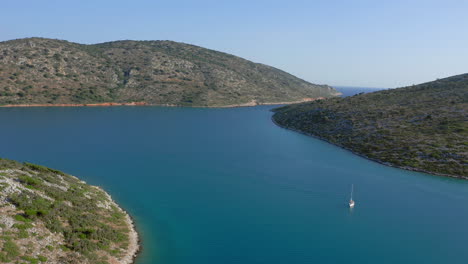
column 47, row 216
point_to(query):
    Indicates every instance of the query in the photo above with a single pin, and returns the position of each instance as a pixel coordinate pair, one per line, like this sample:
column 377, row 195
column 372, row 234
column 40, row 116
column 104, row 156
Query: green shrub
column 28, row 180
column 23, row 234
column 30, row 259
column 23, row 226
column 21, row 218
column 10, row 250
column 40, row 168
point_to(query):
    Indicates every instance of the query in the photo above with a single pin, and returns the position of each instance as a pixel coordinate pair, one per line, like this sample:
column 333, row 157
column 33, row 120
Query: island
column 48, row 216
column 49, row 72
column 421, row 127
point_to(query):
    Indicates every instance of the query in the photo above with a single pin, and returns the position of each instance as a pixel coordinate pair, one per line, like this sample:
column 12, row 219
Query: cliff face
column 47, row 216
column 43, row 71
column 422, row 127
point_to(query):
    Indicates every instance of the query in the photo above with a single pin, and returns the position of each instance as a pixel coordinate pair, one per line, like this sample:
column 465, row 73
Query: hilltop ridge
column 49, row 71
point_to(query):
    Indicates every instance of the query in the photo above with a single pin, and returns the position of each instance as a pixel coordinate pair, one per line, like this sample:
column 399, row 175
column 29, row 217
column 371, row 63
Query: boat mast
column 352, row 188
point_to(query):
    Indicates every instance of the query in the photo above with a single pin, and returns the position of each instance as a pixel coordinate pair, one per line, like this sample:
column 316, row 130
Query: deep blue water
column 210, row 186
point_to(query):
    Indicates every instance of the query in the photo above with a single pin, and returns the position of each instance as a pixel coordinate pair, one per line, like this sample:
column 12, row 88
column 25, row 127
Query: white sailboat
column 351, row 201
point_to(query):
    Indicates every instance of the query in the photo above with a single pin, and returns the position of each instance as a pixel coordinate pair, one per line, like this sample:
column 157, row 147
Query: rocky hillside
column 47, row 71
column 422, row 127
column 47, row 216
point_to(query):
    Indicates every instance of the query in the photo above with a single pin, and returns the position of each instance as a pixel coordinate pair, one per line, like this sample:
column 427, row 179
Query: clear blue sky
column 355, row 42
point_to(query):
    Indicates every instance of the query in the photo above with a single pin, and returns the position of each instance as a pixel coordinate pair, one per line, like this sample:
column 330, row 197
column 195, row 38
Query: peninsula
column 47, row 72
column 48, row 216
column 421, row 127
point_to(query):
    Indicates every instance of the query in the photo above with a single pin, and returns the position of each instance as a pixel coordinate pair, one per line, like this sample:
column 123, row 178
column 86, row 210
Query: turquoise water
column 228, row 186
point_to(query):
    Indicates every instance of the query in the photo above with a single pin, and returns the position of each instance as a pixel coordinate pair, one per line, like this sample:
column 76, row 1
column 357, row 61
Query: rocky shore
column 421, row 128
column 133, row 238
column 248, row 104
column 256, row 103
column 47, row 216
column 77, row 105
column 369, row 158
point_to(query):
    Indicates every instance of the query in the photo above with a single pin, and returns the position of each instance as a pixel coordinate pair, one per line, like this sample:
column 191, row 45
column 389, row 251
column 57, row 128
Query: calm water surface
column 210, row 186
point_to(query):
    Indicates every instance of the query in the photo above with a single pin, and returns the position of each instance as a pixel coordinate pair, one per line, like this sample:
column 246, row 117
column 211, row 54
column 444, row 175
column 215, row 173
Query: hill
column 422, row 127
column 48, row 71
column 48, row 216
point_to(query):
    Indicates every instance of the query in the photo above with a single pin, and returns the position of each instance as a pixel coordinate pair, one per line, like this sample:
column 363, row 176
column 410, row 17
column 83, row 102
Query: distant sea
column 350, row 90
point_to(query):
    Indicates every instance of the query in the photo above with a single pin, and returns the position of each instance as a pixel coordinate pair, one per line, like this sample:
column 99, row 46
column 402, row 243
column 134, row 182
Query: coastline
column 134, row 245
column 121, row 235
column 256, row 103
column 371, row 159
column 77, row 105
column 107, row 104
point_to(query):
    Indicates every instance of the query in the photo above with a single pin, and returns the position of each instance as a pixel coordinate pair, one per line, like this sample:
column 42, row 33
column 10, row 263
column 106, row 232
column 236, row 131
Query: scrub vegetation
column 421, row 127
column 48, row 71
column 48, row 216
